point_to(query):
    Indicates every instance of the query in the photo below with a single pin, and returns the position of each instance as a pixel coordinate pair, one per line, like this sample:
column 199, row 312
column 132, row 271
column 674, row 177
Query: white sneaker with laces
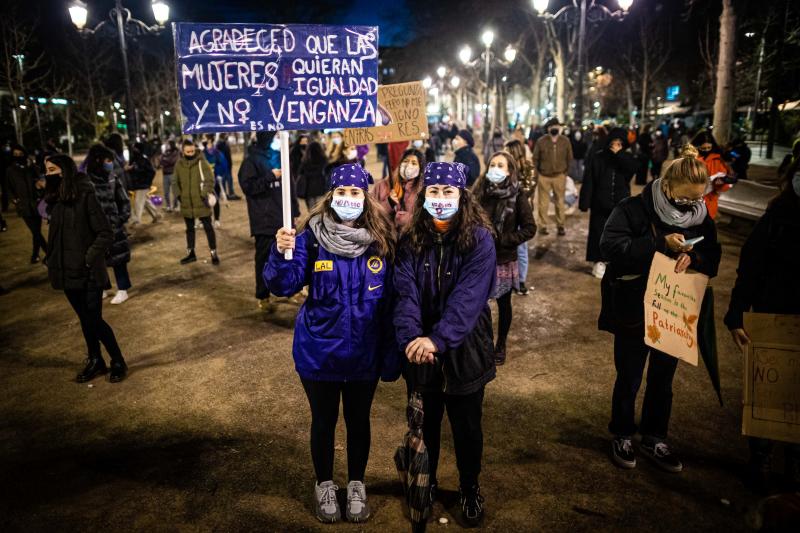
column 599, row 270
column 105, row 295
column 357, row 507
column 327, row 506
column 120, row 297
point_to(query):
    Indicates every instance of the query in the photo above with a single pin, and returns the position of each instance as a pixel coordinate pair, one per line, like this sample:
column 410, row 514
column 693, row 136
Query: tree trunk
column 561, row 85
column 723, row 100
column 629, row 96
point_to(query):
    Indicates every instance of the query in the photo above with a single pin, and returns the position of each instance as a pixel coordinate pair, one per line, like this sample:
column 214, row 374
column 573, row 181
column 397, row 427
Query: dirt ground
column 210, row 430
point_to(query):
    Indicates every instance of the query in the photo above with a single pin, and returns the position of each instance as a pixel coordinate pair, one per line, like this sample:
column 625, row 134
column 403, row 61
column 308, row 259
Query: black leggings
column 209, row 229
column 88, row 304
column 218, row 192
column 34, row 224
column 323, row 397
column 504, row 318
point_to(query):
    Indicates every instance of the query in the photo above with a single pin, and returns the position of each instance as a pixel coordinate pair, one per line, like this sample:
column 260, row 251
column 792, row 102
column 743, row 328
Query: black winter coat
column 141, row 175
column 117, row 206
column 767, row 278
column 517, row 228
column 22, row 180
column 467, row 156
column 632, row 236
column 79, row 237
column 607, row 180
column 263, row 192
column 311, row 178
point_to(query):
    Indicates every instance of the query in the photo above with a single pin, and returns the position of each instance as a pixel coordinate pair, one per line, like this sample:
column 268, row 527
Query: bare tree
column 563, row 53
column 724, row 97
column 534, row 59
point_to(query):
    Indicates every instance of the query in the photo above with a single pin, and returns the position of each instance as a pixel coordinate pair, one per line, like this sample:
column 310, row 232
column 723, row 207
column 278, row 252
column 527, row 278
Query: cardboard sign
column 401, row 116
column 671, row 308
column 253, row 77
column 772, row 377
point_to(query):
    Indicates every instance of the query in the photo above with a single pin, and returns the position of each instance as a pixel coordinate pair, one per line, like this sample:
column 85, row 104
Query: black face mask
column 189, row 157
column 683, row 208
column 554, row 131
column 20, row 159
column 704, row 152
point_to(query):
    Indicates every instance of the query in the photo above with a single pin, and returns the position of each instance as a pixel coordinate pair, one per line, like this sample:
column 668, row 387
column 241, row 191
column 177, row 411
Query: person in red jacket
column 709, row 152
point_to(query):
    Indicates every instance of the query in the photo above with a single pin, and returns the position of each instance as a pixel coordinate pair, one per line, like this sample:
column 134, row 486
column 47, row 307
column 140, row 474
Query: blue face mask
column 496, row 175
column 348, row 209
column 796, row 183
column 441, row 208
column 108, row 167
column 276, row 144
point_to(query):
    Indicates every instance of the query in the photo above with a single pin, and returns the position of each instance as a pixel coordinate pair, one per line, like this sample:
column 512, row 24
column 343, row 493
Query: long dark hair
column 704, row 136
column 374, row 219
column 114, row 141
column 469, row 217
column 395, row 178
column 67, row 190
column 480, row 185
column 314, row 155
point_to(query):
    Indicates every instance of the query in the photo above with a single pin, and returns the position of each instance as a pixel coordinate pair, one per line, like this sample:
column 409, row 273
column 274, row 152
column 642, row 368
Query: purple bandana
column 452, row 174
column 350, row 175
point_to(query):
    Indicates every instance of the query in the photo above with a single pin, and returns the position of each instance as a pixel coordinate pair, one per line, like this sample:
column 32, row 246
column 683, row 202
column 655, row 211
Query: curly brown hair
column 374, row 219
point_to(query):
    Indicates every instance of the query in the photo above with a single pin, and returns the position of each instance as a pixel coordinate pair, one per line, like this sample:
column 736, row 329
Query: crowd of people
column 398, row 271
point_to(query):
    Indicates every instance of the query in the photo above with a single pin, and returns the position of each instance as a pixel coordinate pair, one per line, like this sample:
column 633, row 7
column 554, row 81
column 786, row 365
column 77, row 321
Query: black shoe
column 214, row 257
column 543, row 231
column 471, row 505
column 500, row 354
column 523, row 290
column 119, row 370
column 191, row 258
column 94, row 367
column 234, row 197
column 34, row 259
column 561, row 232
column 661, row 455
column 3, row 226
column 622, row 452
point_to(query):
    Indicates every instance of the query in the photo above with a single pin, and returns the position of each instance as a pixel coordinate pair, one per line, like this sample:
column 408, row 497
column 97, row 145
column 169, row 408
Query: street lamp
column 441, row 71
column 427, row 82
column 487, row 38
column 455, row 81
column 587, row 10
column 465, row 55
column 120, row 18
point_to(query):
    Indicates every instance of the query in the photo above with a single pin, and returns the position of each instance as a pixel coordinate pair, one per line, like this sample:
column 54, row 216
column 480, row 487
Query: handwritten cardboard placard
column 671, row 309
column 401, row 116
column 253, row 77
column 772, row 377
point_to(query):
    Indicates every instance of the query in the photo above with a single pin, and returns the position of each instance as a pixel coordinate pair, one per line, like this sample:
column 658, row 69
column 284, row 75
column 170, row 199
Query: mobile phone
column 691, row 242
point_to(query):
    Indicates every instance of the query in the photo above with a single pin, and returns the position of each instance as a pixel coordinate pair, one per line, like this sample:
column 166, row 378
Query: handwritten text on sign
column 237, row 77
column 671, row 309
column 401, row 116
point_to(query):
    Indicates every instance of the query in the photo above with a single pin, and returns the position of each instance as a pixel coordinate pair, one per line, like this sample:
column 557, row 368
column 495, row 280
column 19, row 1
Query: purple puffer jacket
column 443, row 295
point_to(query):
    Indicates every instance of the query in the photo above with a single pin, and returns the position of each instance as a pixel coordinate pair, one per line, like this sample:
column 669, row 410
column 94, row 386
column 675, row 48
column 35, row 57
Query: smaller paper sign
column 400, row 117
column 671, row 309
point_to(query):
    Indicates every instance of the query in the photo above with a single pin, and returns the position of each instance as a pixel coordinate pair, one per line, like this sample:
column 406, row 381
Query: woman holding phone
column 343, row 339
column 666, row 217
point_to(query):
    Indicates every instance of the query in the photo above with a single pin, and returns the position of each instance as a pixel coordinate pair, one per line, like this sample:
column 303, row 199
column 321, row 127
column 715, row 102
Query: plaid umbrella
column 707, row 340
column 411, row 459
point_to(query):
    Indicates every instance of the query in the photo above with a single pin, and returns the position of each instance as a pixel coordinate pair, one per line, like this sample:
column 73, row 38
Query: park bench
column 747, row 199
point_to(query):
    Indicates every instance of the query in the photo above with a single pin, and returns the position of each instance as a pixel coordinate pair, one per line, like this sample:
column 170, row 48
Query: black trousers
column 504, row 316
column 34, row 224
column 263, row 246
column 207, row 226
column 630, row 356
column 88, row 305
column 218, row 192
column 356, row 397
column 657, row 169
column 465, row 413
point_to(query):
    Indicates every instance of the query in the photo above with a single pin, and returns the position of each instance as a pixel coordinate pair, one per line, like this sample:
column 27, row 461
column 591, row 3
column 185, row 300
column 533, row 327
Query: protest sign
column 401, row 116
column 772, row 377
column 671, row 309
column 253, row 77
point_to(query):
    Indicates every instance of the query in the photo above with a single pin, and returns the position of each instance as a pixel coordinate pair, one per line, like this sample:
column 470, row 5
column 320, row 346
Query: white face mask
column 417, row 144
column 578, row 136
column 276, row 144
column 352, row 154
column 409, row 172
column 336, row 140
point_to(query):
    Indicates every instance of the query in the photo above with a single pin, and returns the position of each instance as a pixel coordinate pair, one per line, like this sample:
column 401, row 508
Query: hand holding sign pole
column 286, row 186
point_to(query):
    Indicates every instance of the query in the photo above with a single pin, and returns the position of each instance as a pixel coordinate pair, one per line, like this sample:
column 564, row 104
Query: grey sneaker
column 662, row 456
column 357, row 507
column 327, row 508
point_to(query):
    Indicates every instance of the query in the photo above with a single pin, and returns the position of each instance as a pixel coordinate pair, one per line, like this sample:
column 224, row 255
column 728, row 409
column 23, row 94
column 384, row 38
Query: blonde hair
column 686, row 169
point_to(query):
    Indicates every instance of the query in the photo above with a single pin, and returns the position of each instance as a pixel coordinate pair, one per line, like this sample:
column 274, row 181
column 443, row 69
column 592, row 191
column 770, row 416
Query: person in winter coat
column 140, row 178
column 195, row 185
column 296, row 153
column 509, row 210
column 343, row 341
column 644, row 154
column 79, row 236
column 669, row 211
column 551, row 158
column 26, row 188
column 527, row 186
column 495, row 144
column 579, row 148
column 167, row 165
column 261, row 184
column 227, row 178
column 660, row 153
column 706, row 149
column 606, row 182
column 738, row 154
column 116, row 205
column 220, row 167
column 463, row 145
column 311, row 175
column 398, row 192
column 444, row 275
column 767, row 282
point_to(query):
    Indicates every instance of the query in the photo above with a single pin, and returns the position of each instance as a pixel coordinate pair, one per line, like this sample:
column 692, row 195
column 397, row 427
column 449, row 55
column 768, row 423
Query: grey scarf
column 340, row 239
column 671, row 215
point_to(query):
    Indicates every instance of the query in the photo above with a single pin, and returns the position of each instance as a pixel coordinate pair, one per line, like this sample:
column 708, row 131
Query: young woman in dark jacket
column 444, row 274
column 26, row 188
column 79, row 237
column 509, row 210
column 606, row 182
column 669, row 211
column 140, row 178
column 767, row 282
column 311, row 175
column 117, row 206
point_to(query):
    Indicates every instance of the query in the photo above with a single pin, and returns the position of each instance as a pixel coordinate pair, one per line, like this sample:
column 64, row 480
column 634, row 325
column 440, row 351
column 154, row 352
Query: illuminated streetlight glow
column 465, row 54
column 487, row 38
column 160, row 12
column 116, row 105
column 455, row 81
column 625, row 5
column 79, row 14
column 427, row 82
column 441, row 71
column 540, row 5
column 750, row 34
column 166, row 113
column 510, row 54
column 101, row 113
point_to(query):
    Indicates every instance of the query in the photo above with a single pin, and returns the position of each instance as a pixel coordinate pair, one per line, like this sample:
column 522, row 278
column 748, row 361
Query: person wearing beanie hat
column 343, row 338
column 463, row 145
column 444, row 275
column 552, row 156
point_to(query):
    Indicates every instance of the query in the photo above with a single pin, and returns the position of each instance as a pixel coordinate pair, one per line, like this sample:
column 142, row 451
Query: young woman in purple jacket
column 344, row 340
column 444, row 275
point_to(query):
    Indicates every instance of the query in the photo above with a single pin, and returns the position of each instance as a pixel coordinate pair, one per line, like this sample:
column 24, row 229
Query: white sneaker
column 105, row 295
column 599, row 270
column 327, row 506
column 357, row 507
column 197, row 223
column 217, row 224
column 120, row 297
